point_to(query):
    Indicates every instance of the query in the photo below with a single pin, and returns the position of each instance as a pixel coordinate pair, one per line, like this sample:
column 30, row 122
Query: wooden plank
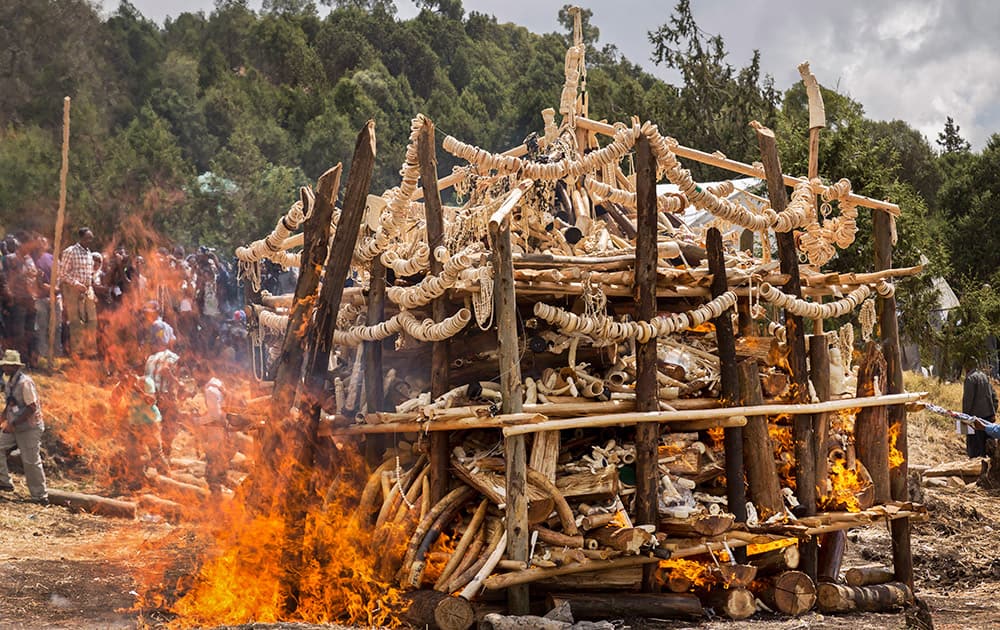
column 647, row 435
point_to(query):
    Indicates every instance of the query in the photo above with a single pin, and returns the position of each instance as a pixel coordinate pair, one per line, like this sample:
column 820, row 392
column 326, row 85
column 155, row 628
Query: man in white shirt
column 22, row 426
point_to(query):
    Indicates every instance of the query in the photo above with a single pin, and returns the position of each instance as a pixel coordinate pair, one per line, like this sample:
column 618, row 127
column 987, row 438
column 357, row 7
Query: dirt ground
column 60, row 569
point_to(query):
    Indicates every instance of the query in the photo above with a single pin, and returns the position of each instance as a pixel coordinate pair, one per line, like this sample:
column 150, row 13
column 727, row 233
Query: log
column 868, row 576
column 734, row 603
column 170, row 510
column 871, row 427
column 183, row 491
column 729, row 384
column 734, row 575
column 505, row 311
column 437, row 611
column 647, row 437
column 374, row 375
column 776, row 560
column 834, row 598
column 819, row 374
column 831, row 555
column 791, row 593
column 497, row 582
column 628, row 578
column 967, row 469
column 758, row 449
column 92, row 503
column 629, row 605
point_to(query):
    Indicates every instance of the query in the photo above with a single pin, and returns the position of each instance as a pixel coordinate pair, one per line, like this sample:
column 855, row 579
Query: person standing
column 134, row 399
column 22, row 427
column 162, row 368
column 76, row 277
column 978, row 399
column 43, row 307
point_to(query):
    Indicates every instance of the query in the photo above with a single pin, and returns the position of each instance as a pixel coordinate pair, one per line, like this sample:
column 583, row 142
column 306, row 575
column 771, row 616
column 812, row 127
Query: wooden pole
column 871, row 426
column 647, row 435
column 761, row 469
column 374, row 385
column 301, row 436
column 730, row 385
column 902, row 557
column 439, row 454
column 57, row 239
column 630, row 605
column 817, row 121
column 832, row 545
column 515, row 452
column 315, row 248
column 803, row 430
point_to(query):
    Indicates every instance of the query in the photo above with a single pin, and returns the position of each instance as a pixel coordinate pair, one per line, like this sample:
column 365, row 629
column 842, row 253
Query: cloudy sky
column 915, row 60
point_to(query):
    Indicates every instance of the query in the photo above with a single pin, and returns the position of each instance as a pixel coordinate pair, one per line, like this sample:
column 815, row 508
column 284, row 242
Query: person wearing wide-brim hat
column 22, row 426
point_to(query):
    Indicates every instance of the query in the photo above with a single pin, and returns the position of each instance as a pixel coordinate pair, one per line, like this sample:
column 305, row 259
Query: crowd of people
column 196, row 293
column 135, row 318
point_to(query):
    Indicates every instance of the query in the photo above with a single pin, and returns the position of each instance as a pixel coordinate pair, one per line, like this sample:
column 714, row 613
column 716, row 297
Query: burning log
column 791, row 592
column 834, row 598
column 867, row 576
column 93, row 504
column 734, row 603
column 871, row 429
column 616, row 605
column 437, row 611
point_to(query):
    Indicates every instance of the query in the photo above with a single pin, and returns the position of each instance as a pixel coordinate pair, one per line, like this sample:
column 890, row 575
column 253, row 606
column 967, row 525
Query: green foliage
column 950, row 140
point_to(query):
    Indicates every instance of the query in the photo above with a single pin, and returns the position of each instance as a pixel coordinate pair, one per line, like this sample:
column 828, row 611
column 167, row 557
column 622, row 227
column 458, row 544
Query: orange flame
column 846, row 484
column 896, row 457
column 245, row 578
column 784, row 451
column 696, row 572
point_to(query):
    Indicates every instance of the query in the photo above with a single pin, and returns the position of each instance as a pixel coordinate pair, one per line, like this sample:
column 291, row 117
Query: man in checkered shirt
column 76, row 277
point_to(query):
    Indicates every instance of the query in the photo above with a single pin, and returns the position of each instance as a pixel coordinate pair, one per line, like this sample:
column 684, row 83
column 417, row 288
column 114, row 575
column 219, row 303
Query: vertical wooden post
column 505, row 311
column 439, row 455
column 647, row 438
column 57, row 238
column 315, row 248
column 871, row 427
column 730, row 384
column 374, row 393
column 902, row 557
column 803, row 430
column 300, row 436
column 831, row 551
column 758, row 449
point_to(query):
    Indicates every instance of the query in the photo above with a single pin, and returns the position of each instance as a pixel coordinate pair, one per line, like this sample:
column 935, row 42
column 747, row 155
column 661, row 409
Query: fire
column 846, row 484
column 784, row 450
column 896, row 457
column 262, row 561
column 758, row 548
column 438, row 557
column 717, row 435
column 696, row 572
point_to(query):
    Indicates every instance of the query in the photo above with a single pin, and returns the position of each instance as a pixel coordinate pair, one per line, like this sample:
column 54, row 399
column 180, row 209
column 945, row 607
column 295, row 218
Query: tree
column 716, row 100
column 950, row 140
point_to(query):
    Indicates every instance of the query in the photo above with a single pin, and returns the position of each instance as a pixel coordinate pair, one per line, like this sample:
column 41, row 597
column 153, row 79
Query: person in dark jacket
column 978, row 399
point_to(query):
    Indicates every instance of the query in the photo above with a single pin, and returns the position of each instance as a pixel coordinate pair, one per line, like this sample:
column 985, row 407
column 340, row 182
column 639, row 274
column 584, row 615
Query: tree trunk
column 758, row 450
column 734, row 603
column 438, row 611
column 791, row 592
